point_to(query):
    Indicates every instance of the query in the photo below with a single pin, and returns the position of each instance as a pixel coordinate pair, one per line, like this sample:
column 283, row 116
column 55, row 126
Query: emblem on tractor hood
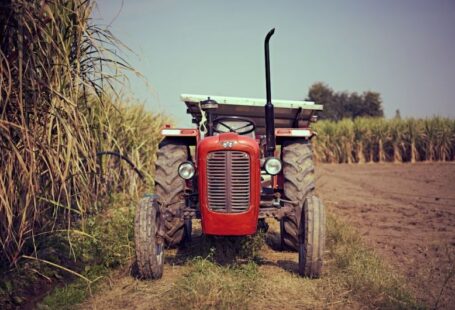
column 227, row 144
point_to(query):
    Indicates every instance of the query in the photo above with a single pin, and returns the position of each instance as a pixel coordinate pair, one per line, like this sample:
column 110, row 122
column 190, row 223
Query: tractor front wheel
column 311, row 238
column 149, row 250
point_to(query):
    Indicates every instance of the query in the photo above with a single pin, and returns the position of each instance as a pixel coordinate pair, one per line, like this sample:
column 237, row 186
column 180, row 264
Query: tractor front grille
column 228, row 181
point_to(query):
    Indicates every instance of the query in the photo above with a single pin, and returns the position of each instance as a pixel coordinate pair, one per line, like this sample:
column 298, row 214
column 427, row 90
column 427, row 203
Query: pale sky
column 404, row 50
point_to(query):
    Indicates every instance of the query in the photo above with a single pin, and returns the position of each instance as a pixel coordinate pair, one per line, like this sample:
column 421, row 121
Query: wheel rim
column 158, row 246
column 159, row 254
column 302, row 252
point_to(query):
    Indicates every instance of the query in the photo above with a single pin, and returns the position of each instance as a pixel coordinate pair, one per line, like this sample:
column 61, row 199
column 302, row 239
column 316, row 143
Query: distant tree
column 338, row 105
column 373, row 104
column 323, row 94
column 354, row 107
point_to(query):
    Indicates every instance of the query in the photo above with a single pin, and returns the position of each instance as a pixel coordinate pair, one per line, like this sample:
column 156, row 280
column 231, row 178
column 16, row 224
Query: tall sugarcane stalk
column 382, row 140
column 51, row 80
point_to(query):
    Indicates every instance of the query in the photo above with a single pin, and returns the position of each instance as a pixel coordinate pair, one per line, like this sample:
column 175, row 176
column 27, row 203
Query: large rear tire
column 149, row 252
column 169, row 186
column 311, row 238
column 298, row 171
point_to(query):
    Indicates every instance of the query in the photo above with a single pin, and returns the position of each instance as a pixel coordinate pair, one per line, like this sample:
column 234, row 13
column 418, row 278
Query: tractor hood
column 229, row 184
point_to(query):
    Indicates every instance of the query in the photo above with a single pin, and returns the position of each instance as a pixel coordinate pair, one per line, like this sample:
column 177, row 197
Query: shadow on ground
column 233, row 250
column 222, row 250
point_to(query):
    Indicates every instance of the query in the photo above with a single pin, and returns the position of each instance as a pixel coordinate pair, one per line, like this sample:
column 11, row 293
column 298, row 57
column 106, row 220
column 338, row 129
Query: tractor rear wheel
column 311, row 238
column 149, row 251
column 169, row 186
column 298, row 171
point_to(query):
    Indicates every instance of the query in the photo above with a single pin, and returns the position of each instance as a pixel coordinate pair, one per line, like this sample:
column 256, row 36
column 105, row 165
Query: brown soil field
column 406, row 212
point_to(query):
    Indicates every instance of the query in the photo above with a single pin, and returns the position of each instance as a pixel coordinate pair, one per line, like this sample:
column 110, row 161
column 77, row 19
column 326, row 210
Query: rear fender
column 187, row 136
column 282, row 134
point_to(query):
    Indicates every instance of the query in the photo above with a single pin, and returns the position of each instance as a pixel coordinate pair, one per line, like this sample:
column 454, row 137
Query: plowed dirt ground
column 405, row 212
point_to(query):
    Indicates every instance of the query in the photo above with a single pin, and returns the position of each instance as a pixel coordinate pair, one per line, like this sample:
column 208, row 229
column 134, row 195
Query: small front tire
column 311, row 238
column 149, row 251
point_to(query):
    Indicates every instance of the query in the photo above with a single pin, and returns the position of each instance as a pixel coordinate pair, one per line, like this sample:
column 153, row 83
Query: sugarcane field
column 227, row 155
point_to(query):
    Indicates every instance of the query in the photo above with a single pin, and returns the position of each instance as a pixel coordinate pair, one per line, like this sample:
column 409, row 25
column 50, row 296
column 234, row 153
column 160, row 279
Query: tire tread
column 169, row 186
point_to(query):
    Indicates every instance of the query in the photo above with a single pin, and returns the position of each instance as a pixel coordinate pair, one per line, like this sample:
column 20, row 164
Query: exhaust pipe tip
column 271, row 32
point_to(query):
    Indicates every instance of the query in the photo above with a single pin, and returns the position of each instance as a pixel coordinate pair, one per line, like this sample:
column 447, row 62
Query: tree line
column 339, row 105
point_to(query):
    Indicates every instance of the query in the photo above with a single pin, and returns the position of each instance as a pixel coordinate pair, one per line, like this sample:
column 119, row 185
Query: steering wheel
column 221, row 121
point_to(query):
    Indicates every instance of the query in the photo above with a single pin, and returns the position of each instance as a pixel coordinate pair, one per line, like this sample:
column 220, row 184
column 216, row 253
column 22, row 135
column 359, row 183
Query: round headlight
column 186, row 170
column 272, row 166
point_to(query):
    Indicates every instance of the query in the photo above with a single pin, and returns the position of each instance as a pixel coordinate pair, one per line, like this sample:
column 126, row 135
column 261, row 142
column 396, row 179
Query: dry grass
column 354, row 277
column 363, row 272
column 56, row 113
column 49, row 64
column 129, row 129
column 208, row 285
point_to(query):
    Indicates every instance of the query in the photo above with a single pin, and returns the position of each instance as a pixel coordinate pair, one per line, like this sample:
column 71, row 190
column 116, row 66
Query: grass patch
column 100, row 243
column 362, row 271
column 68, row 295
column 222, row 273
column 209, row 285
column 110, row 245
column 354, row 276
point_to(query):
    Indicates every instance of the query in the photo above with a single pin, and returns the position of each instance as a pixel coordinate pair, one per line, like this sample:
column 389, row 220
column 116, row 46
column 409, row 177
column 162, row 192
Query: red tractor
column 234, row 178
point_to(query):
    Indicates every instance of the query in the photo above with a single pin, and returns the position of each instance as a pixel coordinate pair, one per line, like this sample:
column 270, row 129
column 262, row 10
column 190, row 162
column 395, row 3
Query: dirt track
column 406, row 213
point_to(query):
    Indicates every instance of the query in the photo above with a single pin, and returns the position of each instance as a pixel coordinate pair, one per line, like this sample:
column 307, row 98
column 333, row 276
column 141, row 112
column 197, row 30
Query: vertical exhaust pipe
column 269, row 113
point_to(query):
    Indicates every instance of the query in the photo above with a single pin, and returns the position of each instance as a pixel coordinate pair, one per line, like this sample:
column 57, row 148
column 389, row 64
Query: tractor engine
column 229, row 183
